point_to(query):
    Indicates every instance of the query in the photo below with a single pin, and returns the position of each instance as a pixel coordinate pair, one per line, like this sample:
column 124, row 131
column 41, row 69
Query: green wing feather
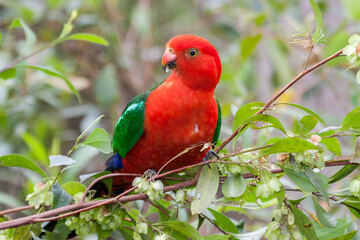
column 130, row 125
column 218, row 124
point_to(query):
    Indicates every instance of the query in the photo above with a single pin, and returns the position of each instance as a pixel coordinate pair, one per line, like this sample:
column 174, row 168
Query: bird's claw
column 150, row 173
column 209, row 155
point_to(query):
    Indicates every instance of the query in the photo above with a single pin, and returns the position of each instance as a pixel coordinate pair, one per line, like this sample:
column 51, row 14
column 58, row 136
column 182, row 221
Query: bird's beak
column 168, row 60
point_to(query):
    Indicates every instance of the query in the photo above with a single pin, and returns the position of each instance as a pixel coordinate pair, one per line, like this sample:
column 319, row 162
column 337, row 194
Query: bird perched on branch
column 179, row 113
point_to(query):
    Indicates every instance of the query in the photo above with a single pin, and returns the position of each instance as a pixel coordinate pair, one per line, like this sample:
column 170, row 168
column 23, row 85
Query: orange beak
column 168, row 60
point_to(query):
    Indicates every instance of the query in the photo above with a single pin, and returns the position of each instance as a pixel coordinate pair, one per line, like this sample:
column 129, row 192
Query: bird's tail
column 119, row 184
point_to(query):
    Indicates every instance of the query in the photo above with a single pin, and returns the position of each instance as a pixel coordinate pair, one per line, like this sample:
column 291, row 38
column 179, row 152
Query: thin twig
column 156, row 206
column 281, row 92
column 212, row 222
column 79, row 207
column 246, row 151
column 18, row 209
column 308, row 57
column 11, row 65
column 107, row 176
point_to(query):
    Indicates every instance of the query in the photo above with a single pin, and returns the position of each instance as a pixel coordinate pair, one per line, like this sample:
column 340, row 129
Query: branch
column 82, row 206
column 79, row 207
column 281, row 92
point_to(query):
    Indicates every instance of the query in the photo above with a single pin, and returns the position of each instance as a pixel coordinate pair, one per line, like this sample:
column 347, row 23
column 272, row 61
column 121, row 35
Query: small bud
column 137, row 236
column 274, row 184
column 158, row 185
column 39, row 187
column 161, row 237
column 141, row 227
column 355, row 187
column 282, row 157
column 104, row 211
column 315, row 139
column 284, row 210
column 136, row 181
column 291, row 219
column 180, row 196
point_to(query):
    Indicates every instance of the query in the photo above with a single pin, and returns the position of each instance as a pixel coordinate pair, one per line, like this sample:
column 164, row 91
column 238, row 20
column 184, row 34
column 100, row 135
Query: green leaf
column 275, row 123
column 332, row 144
column 53, row 72
column 257, row 234
column 322, row 215
column 248, row 45
column 308, row 122
column 289, row 145
column 343, row 172
column 25, row 232
column 245, row 113
column 99, row 139
column 280, row 196
column 73, row 187
column 353, row 206
column 92, row 124
column 7, row 74
column 29, row 34
column 217, row 237
column 60, row 232
column 59, row 160
column 300, row 179
column 234, row 185
column 206, row 188
column 347, row 236
column 61, row 197
column 303, row 223
column 351, row 120
column 318, row 34
column 87, row 37
column 342, row 226
column 319, row 180
column 356, row 158
column 305, row 110
column 183, row 228
column 14, row 160
column 0, row 38
column 37, row 148
column 201, row 220
column 297, row 201
column 224, row 222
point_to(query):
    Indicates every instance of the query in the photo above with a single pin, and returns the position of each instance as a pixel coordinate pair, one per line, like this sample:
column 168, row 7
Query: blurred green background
column 259, row 42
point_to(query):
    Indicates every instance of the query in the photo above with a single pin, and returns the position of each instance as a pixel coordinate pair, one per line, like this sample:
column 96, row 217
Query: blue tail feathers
column 114, row 163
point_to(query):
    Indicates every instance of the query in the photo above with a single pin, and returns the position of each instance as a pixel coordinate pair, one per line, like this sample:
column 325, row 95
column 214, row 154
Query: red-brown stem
column 79, row 207
column 18, row 209
column 281, row 92
column 104, row 177
column 84, row 206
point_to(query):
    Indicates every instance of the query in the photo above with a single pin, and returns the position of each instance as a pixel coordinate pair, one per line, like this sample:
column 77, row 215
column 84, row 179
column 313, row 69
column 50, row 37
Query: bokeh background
column 262, row 45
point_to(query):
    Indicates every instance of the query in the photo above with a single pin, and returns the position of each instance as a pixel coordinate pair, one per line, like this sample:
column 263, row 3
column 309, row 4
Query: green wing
column 218, row 124
column 130, row 125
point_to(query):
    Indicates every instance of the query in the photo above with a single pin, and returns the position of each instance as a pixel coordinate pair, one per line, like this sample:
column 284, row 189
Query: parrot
column 179, row 113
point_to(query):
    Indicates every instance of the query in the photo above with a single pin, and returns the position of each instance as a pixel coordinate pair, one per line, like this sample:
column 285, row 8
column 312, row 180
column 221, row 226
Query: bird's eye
column 193, row 52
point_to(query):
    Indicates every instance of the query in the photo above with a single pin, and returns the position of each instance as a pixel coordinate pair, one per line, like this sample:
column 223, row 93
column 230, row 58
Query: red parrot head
column 195, row 60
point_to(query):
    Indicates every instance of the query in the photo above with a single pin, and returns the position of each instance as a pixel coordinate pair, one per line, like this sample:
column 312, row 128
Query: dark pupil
column 192, row 53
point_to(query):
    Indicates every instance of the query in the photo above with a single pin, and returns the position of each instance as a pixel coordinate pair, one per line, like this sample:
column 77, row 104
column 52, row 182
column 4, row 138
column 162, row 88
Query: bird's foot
column 209, row 155
column 150, row 173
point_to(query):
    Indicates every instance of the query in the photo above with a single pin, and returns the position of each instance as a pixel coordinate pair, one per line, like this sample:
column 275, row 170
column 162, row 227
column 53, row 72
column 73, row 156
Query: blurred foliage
column 262, row 45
